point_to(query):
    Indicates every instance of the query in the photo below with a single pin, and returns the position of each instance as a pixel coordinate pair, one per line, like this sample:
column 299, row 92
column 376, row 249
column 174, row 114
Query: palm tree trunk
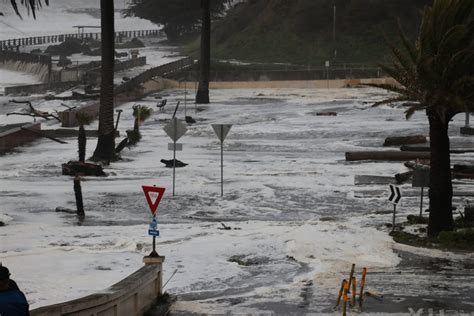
column 441, row 188
column 81, row 141
column 202, row 95
column 106, row 141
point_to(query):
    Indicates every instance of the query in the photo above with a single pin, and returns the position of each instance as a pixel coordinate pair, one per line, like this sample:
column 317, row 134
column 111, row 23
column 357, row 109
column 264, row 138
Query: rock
column 67, row 48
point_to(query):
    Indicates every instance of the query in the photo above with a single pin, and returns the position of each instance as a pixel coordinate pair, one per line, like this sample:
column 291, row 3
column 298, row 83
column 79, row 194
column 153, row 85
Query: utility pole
column 334, row 32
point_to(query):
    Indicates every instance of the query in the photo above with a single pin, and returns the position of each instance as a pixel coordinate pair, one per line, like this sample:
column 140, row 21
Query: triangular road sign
column 153, row 196
column 175, row 129
column 221, row 130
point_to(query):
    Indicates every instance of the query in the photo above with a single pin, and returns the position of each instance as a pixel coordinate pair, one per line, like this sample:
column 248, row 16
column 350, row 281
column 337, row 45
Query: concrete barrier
column 15, row 135
column 130, row 297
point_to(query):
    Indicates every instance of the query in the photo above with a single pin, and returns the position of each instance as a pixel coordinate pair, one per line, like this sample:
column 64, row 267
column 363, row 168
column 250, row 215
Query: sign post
column 221, row 131
column 153, row 197
column 175, row 129
column 421, row 178
column 394, row 197
column 326, row 64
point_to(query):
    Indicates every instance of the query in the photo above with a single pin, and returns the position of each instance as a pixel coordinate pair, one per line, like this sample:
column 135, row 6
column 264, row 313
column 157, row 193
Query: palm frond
column 387, row 86
column 391, row 101
column 413, row 108
column 409, row 47
column 30, row 5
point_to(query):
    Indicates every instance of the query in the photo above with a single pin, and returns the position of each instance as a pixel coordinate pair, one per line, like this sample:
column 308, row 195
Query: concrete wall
column 130, row 297
column 40, row 88
column 35, row 64
column 291, row 84
column 12, row 136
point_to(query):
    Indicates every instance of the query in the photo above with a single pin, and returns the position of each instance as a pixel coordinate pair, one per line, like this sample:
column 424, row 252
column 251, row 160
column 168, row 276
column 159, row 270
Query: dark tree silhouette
column 436, row 75
column 202, row 94
column 31, row 5
column 105, row 150
column 178, row 17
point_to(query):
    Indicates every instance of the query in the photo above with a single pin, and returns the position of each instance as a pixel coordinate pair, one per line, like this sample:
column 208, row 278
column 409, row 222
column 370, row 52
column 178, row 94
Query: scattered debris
column 169, row 163
column 404, row 140
column 225, row 227
column 242, row 260
column 33, row 112
column 189, row 120
column 73, row 168
column 161, row 105
column 326, row 114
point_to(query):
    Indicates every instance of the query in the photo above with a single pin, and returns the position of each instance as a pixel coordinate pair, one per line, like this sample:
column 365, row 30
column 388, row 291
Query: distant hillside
column 300, row 31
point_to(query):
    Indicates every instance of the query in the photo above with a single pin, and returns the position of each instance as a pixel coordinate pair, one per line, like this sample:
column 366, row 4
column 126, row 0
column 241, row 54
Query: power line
column 12, row 27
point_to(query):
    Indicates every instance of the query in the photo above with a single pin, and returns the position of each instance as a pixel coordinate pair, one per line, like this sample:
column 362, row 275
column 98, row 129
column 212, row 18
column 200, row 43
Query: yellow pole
column 362, row 284
column 346, row 298
column 341, row 290
column 354, row 289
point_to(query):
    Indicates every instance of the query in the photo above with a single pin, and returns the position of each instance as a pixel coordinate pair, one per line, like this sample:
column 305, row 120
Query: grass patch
column 448, row 240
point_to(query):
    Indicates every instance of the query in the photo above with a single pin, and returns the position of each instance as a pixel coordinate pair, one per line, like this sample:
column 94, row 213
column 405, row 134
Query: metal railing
column 15, row 43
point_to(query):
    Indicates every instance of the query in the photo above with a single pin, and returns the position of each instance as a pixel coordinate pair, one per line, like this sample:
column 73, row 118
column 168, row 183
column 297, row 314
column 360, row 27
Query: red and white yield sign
column 153, row 196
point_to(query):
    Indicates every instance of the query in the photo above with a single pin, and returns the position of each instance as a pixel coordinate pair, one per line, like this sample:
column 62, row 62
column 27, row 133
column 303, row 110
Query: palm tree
column 202, row 95
column 436, row 75
column 105, row 150
column 29, row 4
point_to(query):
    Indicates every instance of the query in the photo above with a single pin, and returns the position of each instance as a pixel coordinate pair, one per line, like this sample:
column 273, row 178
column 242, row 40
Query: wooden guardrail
column 15, row 43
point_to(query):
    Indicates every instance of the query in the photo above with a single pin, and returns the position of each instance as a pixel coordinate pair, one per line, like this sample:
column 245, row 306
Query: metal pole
column 327, row 76
column 185, row 99
column 334, row 33
column 421, row 202
column 118, row 118
column 153, row 252
column 222, row 165
column 467, row 119
column 394, row 212
column 174, row 165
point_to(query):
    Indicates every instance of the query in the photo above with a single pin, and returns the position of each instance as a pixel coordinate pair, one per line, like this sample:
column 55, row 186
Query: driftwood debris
column 169, row 163
column 463, row 168
column 427, row 148
column 370, row 179
column 403, row 177
column 74, row 168
column 386, row 155
column 33, row 112
column 78, row 195
column 404, row 140
column 417, row 164
column 458, row 171
column 326, row 114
